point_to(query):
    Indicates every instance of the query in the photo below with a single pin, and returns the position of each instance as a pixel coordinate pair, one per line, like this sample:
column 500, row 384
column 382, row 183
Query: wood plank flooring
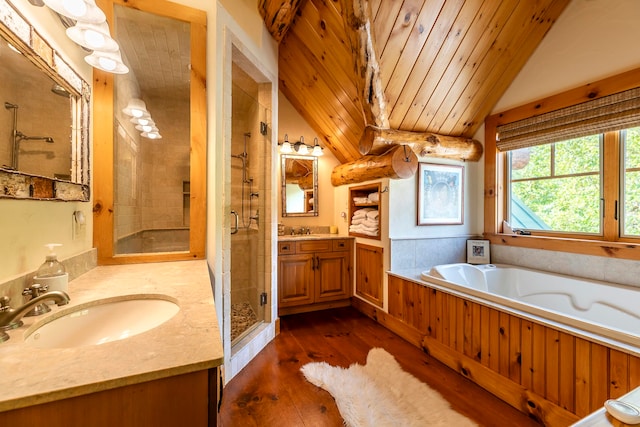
column 271, row 390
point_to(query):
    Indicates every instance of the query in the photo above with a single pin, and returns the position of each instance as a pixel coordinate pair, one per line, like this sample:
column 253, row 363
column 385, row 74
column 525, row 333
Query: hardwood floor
column 271, row 390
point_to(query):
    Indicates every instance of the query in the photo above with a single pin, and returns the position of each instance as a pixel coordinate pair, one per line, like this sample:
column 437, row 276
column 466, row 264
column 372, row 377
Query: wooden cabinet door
column 332, row 276
column 369, row 273
column 295, row 280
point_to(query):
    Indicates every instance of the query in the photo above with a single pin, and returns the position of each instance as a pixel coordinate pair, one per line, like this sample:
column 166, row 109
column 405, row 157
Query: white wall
column 292, row 124
column 26, row 225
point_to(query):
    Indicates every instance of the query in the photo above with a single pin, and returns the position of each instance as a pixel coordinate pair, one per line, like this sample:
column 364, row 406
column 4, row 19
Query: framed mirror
column 151, row 192
column 44, row 117
column 299, row 185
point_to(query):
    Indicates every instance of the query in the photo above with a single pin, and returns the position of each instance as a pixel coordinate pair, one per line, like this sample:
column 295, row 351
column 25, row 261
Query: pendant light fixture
column 110, row 62
column 78, row 10
column 93, row 36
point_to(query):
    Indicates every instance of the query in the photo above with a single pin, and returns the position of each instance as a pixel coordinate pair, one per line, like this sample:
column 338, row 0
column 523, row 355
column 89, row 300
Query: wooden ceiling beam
column 278, row 15
column 376, row 141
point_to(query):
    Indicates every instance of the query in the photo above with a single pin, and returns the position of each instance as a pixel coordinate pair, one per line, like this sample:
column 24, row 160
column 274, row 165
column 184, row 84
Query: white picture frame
column 478, row 252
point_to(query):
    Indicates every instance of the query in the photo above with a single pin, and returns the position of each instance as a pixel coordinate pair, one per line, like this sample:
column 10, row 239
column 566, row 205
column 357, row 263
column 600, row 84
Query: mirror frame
column 16, row 29
column 103, row 110
column 284, row 158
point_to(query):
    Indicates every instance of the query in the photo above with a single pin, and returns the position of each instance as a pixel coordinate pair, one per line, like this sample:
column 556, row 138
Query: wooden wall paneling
column 476, row 337
column 552, row 367
column 396, row 297
column 485, row 333
column 446, row 319
column 538, row 359
column 414, row 118
column 475, row 39
column 515, row 365
column 634, row 372
column 411, row 84
column 439, row 321
column 459, row 322
column 504, row 358
column 583, row 377
column 396, row 68
column 422, row 305
column 472, row 65
column 408, row 298
column 526, row 333
column 567, row 383
column 520, row 44
column 467, row 333
column 618, row 373
column 433, row 317
column 494, row 340
column 599, row 376
column 385, row 20
column 375, row 6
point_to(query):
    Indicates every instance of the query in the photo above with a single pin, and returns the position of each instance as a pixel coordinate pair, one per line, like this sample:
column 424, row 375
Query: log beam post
column 398, row 163
column 278, row 15
column 376, row 141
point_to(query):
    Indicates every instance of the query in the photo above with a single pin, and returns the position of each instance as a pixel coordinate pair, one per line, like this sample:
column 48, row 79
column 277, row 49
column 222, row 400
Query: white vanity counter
column 190, row 341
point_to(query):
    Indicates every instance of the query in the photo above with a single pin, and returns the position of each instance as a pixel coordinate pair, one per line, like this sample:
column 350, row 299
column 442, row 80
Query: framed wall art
column 478, row 252
column 440, row 194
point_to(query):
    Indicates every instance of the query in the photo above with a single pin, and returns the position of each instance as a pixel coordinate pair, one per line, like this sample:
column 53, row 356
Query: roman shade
column 609, row 113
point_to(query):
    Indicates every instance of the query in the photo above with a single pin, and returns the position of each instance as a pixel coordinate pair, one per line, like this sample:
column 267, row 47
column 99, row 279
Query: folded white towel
column 373, row 215
column 374, row 197
column 360, row 200
column 370, row 223
column 361, row 213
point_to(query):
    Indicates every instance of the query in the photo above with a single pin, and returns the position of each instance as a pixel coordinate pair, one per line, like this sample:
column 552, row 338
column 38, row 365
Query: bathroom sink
column 102, row 321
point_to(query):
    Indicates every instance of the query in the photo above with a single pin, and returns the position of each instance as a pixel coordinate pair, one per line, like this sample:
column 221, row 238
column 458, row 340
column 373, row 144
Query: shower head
column 59, row 90
column 10, row 106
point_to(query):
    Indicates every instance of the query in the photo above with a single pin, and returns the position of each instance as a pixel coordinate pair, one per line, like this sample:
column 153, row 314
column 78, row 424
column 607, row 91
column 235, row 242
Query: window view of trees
column 558, row 186
column 631, row 203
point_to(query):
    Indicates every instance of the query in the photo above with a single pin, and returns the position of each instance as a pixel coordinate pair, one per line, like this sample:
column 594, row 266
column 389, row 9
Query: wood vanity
column 314, row 273
column 167, row 376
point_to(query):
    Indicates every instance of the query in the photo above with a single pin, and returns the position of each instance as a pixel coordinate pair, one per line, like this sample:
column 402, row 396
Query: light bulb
column 75, row 7
column 94, row 39
column 109, row 64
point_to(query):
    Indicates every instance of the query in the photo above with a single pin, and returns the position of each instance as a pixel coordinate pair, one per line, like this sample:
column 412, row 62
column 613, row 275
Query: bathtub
column 606, row 312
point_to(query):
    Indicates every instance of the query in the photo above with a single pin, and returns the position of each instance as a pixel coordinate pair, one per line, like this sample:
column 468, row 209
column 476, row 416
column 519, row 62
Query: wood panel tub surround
column 551, row 375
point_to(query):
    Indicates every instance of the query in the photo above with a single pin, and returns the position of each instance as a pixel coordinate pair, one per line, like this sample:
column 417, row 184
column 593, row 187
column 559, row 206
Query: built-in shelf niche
column 364, row 191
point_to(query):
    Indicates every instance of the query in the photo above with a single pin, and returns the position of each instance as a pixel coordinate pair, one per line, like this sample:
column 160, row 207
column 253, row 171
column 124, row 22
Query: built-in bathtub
column 607, row 311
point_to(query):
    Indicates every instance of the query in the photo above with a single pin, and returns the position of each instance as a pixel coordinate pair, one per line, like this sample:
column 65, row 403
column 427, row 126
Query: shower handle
column 234, row 230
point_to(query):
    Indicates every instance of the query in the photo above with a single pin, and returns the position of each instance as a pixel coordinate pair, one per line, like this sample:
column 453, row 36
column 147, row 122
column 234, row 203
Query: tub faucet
column 10, row 317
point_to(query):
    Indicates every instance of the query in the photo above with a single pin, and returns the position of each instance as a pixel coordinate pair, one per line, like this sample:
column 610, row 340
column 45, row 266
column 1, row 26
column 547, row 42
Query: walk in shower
column 250, row 147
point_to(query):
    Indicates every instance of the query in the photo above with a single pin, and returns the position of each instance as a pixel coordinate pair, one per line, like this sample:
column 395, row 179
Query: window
column 557, row 186
column 567, row 169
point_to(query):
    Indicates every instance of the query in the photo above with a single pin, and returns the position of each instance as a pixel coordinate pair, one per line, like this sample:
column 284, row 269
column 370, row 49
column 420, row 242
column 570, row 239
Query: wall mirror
column 299, row 185
column 44, row 115
column 150, row 192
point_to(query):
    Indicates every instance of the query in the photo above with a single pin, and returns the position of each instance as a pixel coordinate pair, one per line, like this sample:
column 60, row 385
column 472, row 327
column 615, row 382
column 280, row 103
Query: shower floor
column 242, row 318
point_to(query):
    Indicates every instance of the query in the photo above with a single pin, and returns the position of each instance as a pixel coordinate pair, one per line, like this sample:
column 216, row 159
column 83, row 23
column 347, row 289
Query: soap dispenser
column 52, row 273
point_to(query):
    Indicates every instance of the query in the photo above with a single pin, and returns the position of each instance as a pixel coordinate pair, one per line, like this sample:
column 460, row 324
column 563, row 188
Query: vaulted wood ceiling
column 443, row 64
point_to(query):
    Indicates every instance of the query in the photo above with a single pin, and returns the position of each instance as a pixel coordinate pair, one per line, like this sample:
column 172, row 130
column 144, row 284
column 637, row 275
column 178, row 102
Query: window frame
column 608, row 244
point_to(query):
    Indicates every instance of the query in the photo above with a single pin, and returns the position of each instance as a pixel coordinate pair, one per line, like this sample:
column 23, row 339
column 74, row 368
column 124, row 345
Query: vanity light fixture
column 110, row 62
column 317, row 150
column 137, row 109
column 300, row 147
column 78, row 10
column 147, row 128
column 151, row 135
column 285, row 148
column 142, row 121
column 93, row 36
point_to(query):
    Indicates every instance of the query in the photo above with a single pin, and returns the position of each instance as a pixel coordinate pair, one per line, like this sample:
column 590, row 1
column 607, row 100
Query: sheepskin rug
column 381, row 394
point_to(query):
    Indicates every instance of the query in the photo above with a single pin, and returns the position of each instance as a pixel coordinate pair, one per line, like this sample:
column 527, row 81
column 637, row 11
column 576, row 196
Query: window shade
column 606, row 114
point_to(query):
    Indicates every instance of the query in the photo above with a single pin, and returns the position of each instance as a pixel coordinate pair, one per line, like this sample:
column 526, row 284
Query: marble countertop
column 190, row 341
column 295, row 237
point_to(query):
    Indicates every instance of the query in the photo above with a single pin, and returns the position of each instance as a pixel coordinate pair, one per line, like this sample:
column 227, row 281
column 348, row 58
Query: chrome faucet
column 10, row 318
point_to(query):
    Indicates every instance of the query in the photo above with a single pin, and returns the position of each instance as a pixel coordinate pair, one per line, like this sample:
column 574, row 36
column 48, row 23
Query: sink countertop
column 190, row 341
column 291, row 238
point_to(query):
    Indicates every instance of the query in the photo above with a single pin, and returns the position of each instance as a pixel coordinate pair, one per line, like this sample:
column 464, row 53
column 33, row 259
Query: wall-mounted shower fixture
column 17, row 136
column 244, row 156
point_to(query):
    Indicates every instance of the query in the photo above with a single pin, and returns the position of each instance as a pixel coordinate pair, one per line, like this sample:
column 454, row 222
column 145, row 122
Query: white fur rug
column 381, row 394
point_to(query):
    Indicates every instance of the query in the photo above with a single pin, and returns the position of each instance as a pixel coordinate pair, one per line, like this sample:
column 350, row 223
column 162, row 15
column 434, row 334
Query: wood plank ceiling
column 443, row 63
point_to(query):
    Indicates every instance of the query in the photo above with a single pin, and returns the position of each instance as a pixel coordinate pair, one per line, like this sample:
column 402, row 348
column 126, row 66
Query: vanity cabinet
column 314, row 274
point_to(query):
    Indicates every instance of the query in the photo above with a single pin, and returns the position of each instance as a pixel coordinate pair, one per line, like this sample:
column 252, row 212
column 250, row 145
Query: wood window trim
column 494, row 177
